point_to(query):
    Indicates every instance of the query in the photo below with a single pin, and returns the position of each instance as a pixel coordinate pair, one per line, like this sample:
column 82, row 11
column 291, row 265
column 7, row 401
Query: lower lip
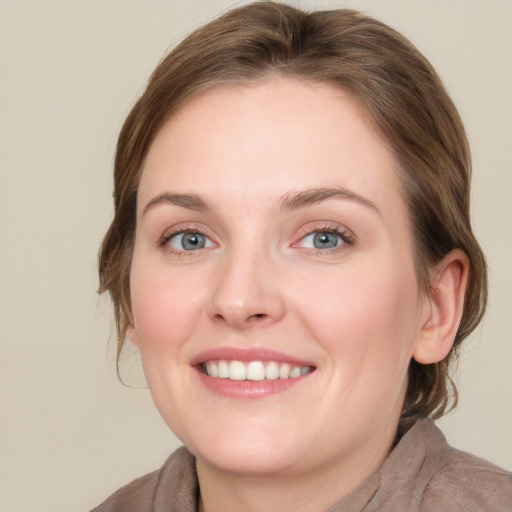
column 249, row 389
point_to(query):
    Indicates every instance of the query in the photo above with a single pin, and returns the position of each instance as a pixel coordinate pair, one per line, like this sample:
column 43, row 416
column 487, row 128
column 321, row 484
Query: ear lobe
column 131, row 334
column 446, row 300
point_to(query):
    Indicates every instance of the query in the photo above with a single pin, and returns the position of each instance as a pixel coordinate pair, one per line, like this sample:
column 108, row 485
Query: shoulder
column 172, row 487
column 463, row 482
column 469, row 484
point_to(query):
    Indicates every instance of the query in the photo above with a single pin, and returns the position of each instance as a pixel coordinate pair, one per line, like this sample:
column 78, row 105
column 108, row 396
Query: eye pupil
column 191, row 241
column 324, row 239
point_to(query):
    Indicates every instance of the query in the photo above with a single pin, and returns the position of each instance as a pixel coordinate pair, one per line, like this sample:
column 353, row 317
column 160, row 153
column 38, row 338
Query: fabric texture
column 422, row 474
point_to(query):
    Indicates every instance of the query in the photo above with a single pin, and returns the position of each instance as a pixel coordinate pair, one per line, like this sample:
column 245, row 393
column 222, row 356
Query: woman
column 292, row 253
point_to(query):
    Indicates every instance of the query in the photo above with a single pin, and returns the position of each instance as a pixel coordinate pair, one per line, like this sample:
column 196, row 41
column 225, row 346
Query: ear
column 445, row 306
column 131, row 334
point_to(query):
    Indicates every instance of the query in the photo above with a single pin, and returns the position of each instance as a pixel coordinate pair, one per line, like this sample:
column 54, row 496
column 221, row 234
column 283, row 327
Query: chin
column 249, row 462
column 248, row 449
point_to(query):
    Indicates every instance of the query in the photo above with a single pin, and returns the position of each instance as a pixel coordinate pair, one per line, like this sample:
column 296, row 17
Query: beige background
column 70, row 70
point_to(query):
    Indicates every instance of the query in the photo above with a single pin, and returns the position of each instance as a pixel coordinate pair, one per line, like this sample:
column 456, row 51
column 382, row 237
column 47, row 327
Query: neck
column 313, row 491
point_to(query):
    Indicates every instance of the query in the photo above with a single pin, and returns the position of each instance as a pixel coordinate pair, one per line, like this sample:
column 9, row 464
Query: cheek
column 365, row 316
column 166, row 312
column 164, row 308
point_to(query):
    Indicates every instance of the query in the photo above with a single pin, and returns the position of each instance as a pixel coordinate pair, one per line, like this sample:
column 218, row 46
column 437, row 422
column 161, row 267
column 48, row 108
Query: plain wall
column 70, row 70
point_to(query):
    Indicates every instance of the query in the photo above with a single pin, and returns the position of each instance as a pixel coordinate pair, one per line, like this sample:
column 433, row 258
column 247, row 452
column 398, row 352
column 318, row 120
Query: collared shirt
column 423, row 473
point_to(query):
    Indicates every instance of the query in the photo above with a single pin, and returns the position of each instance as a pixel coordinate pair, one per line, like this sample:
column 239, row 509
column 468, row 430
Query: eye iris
column 325, row 240
column 192, row 241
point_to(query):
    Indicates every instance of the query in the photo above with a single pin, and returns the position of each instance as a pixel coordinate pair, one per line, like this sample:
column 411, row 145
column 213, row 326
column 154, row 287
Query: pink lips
column 246, row 355
column 246, row 389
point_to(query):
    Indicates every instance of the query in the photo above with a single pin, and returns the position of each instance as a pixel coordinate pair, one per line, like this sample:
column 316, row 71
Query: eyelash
column 163, row 243
column 347, row 240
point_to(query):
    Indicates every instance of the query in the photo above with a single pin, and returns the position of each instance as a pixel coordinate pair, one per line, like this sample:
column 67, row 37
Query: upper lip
column 246, row 355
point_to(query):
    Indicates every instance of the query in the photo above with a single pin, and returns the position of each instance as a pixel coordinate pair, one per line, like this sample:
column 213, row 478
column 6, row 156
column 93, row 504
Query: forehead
column 260, row 140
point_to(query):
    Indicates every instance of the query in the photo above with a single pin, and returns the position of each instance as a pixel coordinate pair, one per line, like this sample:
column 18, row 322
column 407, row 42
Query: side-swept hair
column 389, row 79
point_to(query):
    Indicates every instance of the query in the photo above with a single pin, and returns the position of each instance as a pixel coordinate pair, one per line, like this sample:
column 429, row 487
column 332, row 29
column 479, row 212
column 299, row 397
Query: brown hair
column 389, row 78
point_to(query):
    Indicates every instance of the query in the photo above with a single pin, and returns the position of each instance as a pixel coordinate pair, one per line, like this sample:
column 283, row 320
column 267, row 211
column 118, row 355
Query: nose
column 246, row 292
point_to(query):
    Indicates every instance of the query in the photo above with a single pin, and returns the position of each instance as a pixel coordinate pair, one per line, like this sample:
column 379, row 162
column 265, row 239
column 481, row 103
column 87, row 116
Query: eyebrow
column 288, row 202
column 309, row 197
column 188, row 201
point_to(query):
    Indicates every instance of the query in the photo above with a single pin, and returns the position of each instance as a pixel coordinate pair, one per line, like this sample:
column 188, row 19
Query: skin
column 355, row 312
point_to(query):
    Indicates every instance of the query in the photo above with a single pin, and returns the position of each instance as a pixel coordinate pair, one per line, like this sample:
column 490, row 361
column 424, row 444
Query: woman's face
column 273, row 244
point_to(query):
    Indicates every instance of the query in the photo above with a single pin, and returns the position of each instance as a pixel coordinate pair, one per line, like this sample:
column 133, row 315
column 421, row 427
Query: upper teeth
column 254, row 370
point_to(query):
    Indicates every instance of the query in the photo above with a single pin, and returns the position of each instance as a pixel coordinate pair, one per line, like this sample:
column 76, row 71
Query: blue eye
column 323, row 240
column 189, row 241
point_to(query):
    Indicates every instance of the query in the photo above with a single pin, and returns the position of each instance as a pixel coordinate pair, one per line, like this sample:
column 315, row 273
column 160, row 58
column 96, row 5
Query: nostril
column 257, row 316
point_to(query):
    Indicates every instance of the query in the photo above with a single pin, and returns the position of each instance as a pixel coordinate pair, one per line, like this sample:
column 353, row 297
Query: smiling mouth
column 253, row 370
